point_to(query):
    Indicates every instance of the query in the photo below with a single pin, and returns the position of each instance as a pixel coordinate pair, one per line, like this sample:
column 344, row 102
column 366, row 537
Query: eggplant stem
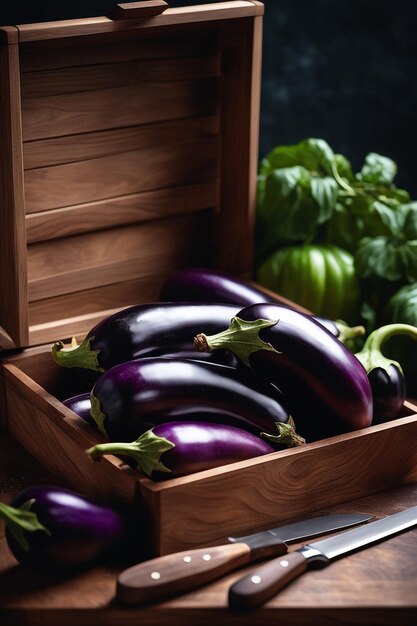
column 97, row 414
column 146, row 451
column 77, row 355
column 287, row 435
column 20, row 520
column 371, row 354
column 241, row 338
column 348, row 332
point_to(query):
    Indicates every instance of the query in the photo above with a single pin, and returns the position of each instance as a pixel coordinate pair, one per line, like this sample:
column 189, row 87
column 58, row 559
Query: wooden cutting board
column 373, row 586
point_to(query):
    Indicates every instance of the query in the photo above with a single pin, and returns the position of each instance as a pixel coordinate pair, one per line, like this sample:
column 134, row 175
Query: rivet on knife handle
column 265, row 581
column 179, row 572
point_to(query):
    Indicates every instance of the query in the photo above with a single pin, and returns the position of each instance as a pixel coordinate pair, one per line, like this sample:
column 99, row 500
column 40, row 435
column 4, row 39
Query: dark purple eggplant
column 80, row 404
column 325, row 386
column 52, row 527
column 178, row 448
column 134, row 396
column 385, row 375
column 203, row 284
column 140, row 330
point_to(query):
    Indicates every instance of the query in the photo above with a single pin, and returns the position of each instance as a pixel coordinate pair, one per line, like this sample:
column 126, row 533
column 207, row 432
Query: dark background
column 342, row 71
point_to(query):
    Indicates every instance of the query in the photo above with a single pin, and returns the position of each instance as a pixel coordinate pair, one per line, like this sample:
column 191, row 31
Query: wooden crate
column 129, row 149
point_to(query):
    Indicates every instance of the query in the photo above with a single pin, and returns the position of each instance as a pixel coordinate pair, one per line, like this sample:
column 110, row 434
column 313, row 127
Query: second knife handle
column 265, row 581
column 174, row 573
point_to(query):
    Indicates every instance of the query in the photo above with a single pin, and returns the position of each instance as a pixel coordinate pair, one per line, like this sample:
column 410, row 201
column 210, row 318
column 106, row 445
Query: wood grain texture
column 106, row 76
column 144, row 9
column 170, row 17
column 241, row 48
column 89, row 111
column 13, row 273
column 52, row 427
column 146, row 47
column 110, row 256
column 374, row 586
column 49, row 314
column 128, row 209
column 261, row 492
column 73, row 148
column 186, row 163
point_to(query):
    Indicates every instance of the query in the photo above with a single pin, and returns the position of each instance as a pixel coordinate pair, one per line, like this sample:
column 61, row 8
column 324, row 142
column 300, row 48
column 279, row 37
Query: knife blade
column 183, row 571
column 265, row 581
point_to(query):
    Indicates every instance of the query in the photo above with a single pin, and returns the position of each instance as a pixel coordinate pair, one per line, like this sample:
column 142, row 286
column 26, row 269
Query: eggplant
column 50, row 527
column 180, row 448
column 134, row 396
column 203, row 284
column 80, row 404
column 325, row 386
column 140, row 330
column 385, row 375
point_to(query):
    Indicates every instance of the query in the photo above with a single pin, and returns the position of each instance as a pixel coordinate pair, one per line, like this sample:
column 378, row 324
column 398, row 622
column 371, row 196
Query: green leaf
column 324, row 191
column 378, row 169
column 312, row 154
column 389, row 259
column 409, row 214
column 344, row 168
column 288, row 212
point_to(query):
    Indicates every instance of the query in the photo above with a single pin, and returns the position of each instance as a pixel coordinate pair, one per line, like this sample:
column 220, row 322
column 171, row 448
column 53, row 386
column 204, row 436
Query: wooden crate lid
column 128, row 148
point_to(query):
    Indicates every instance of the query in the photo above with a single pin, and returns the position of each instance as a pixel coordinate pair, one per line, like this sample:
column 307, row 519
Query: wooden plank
column 95, row 301
column 170, row 17
column 109, row 256
column 90, row 111
column 375, row 586
column 186, row 162
column 13, row 287
column 72, row 148
column 63, row 441
column 240, row 128
column 258, row 493
column 93, row 77
column 118, row 211
column 37, row 56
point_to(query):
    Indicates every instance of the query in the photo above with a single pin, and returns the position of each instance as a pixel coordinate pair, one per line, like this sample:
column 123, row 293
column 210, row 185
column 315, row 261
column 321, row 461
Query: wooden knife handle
column 265, row 581
column 179, row 572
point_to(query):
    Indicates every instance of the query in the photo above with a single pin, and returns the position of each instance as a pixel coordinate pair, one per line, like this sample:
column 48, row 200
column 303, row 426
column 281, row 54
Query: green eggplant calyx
column 348, row 332
column 21, row 520
column 97, row 414
column 241, row 338
column 146, row 451
column 287, row 435
column 371, row 355
column 77, row 355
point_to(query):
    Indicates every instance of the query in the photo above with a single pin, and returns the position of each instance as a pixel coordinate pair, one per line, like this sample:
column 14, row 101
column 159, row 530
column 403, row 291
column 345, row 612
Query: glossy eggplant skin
column 200, row 446
column 388, row 391
column 81, row 405
column 136, row 395
column 210, row 285
column 325, row 386
column 80, row 530
column 141, row 330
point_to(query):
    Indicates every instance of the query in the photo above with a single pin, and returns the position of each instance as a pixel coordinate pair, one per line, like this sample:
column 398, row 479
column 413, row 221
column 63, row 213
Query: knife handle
column 179, row 572
column 265, row 581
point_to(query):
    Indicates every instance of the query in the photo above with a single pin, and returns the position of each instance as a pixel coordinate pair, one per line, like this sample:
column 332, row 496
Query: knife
column 265, row 581
column 182, row 571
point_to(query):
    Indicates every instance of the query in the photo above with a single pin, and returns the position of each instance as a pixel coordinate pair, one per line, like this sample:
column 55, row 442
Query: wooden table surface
column 374, row 586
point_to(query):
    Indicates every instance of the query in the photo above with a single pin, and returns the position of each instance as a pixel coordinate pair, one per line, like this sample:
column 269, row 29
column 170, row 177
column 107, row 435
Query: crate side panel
column 37, row 423
column 261, row 493
column 181, row 162
column 105, row 257
column 13, row 275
